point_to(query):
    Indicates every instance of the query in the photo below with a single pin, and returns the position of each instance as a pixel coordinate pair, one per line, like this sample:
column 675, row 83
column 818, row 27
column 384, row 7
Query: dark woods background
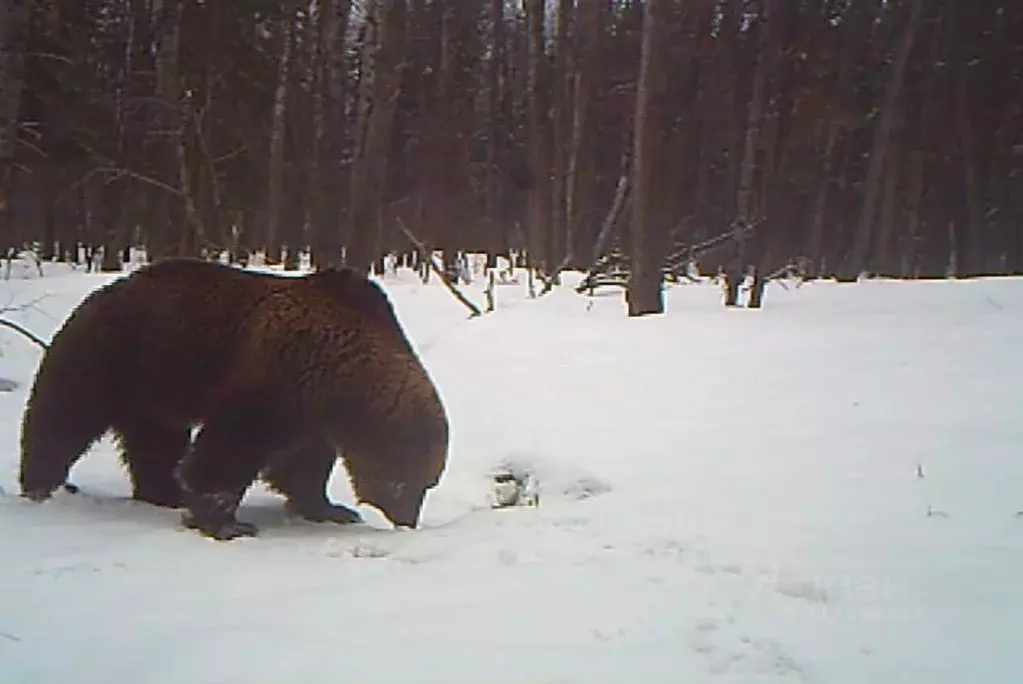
column 842, row 136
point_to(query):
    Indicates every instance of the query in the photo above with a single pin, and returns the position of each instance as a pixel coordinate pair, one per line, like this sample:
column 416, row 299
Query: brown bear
column 281, row 373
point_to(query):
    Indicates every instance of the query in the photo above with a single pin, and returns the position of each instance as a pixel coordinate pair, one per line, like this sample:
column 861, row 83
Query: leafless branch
column 617, row 206
column 17, row 327
column 548, row 283
column 24, row 332
column 119, row 173
column 474, row 310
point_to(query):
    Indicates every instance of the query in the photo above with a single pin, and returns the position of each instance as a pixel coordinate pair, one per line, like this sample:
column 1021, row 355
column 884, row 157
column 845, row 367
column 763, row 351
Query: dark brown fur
column 280, row 372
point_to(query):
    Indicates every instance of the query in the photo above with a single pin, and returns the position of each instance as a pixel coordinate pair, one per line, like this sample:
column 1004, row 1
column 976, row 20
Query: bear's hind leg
column 151, row 452
column 301, row 475
column 228, row 454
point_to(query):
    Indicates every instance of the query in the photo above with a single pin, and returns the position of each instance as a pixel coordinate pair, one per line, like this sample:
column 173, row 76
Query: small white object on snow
column 514, row 488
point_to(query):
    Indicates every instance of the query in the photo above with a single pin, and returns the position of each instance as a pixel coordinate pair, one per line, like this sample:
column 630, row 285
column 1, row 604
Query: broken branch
column 617, row 206
column 548, row 283
column 474, row 310
column 25, row 332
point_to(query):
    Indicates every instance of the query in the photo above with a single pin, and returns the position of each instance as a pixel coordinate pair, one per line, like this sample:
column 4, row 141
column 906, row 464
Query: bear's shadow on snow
column 273, row 518
column 89, row 507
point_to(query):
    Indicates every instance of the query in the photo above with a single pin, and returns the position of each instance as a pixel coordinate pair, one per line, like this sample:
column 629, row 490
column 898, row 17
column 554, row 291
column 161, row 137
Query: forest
column 633, row 140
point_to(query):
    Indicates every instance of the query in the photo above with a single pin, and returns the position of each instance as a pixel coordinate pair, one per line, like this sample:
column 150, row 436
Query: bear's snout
column 398, row 501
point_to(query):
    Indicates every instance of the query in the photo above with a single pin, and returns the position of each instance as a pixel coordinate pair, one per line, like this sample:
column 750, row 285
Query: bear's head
column 391, row 425
column 395, row 472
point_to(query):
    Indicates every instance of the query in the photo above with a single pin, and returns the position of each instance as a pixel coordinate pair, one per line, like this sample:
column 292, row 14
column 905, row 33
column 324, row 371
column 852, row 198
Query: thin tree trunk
column 49, row 190
column 561, row 132
column 744, row 191
column 328, row 172
column 538, row 167
column 13, row 26
column 889, row 202
column 973, row 261
column 857, row 260
column 279, row 121
column 371, row 165
column 910, row 243
column 579, row 181
column 495, row 139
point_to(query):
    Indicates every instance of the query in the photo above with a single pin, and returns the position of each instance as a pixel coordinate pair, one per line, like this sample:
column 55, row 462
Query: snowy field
column 826, row 490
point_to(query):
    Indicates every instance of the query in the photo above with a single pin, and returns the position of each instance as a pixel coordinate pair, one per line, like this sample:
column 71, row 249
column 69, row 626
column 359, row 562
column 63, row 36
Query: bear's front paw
column 219, row 528
column 326, row 512
column 212, row 515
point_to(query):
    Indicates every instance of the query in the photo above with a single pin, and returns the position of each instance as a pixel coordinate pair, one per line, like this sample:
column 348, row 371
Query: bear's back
column 173, row 334
column 165, row 337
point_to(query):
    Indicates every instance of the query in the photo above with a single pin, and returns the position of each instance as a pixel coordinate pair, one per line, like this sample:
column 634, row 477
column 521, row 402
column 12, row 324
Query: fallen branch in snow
column 549, row 283
column 17, row 327
column 474, row 310
column 609, row 281
column 617, row 206
column 613, row 268
column 24, row 332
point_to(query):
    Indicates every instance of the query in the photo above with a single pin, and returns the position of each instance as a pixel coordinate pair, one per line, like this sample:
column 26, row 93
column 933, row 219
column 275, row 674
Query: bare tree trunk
column 13, row 25
column 815, row 243
column 50, row 190
column 973, row 257
column 645, row 290
column 275, row 197
column 371, row 164
column 560, row 137
column 856, row 260
column 164, row 235
column 909, row 256
column 889, row 202
column 538, row 166
column 495, row 137
column 578, row 184
column 329, row 172
column 744, row 191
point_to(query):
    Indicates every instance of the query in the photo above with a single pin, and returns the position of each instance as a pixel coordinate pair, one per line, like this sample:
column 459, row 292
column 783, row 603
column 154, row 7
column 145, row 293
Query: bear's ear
column 355, row 289
column 338, row 277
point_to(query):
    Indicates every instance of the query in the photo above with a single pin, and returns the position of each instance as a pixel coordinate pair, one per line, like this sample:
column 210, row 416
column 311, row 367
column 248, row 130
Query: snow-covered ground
column 727, row 496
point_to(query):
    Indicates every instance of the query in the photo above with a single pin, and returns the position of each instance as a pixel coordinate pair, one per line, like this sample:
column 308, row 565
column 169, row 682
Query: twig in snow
column 17, row 327
column 24, row 332
column 994, row 305
column 474, row 310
